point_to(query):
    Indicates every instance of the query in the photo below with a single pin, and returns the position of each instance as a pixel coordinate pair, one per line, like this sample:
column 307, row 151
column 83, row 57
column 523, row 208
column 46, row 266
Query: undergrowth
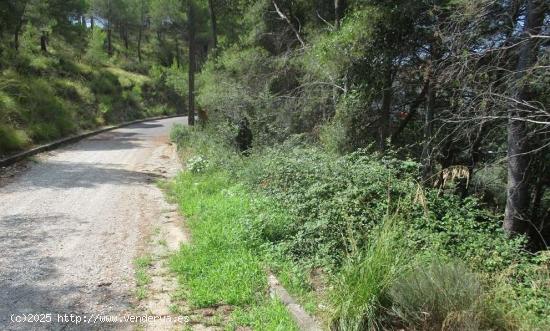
column 46, row 96
column 356, row 238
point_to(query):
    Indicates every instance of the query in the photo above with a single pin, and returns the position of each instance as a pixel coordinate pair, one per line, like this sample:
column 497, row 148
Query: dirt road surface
column 74, row 221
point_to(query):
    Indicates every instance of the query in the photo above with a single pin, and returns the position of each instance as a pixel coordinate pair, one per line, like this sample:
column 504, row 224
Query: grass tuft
column 362, row 289
column 141, row 265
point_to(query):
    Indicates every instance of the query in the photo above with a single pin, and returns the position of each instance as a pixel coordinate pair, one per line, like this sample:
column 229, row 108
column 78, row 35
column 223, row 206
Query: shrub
column 197, row 164
column 42, row 132
column 104, row 82
column 180, row 134
column 12, row 140
column 437, row 295
column 335, row 201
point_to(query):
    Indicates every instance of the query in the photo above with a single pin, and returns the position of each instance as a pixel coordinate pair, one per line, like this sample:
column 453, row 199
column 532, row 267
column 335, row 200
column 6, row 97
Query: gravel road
column 72, row 223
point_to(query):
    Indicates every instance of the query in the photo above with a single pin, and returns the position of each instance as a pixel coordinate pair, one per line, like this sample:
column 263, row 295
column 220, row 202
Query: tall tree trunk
column 191, row 92
column 214, row 24
column 140, row 33
column 427, row 149
column 387, row 93
column 109, row 28
column 92, row 22
column 516, row 219
column 125, row 37
column 16, row 37
column 19, row 25
column 537, row 202
column 420, row 98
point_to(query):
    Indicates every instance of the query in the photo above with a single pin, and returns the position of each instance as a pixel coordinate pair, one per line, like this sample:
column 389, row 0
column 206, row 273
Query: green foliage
column 437, row 294
column 362, row 288
column 271, row 315
column 12, row 139
column 314, row 209
column 220, row 266
column 73, row 83
column 141, row 265
column 197, row 164
column 176, row 79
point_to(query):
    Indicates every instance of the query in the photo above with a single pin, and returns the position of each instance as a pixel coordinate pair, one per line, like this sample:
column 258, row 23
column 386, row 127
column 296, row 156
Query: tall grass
column 437, row 295
column 362, row 287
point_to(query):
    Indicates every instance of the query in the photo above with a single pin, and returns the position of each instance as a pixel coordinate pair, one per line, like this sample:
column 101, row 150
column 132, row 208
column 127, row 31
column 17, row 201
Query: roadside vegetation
column 355, row 237
column 394, row 155
column 141, row 266
column 389, row 159
column 221, row 265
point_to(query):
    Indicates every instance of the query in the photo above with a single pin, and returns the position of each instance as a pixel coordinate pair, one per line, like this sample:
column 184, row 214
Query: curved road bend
column 72, row 223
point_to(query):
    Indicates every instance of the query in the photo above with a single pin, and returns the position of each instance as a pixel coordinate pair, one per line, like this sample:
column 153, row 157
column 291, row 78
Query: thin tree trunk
column 125, row 37
column 337, row 13
column 384, row 129
column 214, row 24
column 516, row 219
column 140, row 33
column 537, row 201
column 43, row 42
column 17, row 32
column 109, row 41
column 427, row 164
column 92, row 23
column 290, row 24
column 191, row 92
column 139, row 43
column 16, row 37
column 178, row 60
column 427, row 149
column 19, row 26
column 412, row 111
column 109, row 28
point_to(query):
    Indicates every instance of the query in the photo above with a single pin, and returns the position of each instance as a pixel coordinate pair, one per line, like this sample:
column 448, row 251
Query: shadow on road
column 28, row 272
column 66, row 175
column 145, row 125
column 108, row 141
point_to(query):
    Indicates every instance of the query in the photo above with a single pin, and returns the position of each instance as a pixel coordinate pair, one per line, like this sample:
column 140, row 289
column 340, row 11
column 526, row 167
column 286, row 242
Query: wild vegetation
column 67, row 66
column 356, row 237
column 455, row 85
column 393, row 153
column 388, row 160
